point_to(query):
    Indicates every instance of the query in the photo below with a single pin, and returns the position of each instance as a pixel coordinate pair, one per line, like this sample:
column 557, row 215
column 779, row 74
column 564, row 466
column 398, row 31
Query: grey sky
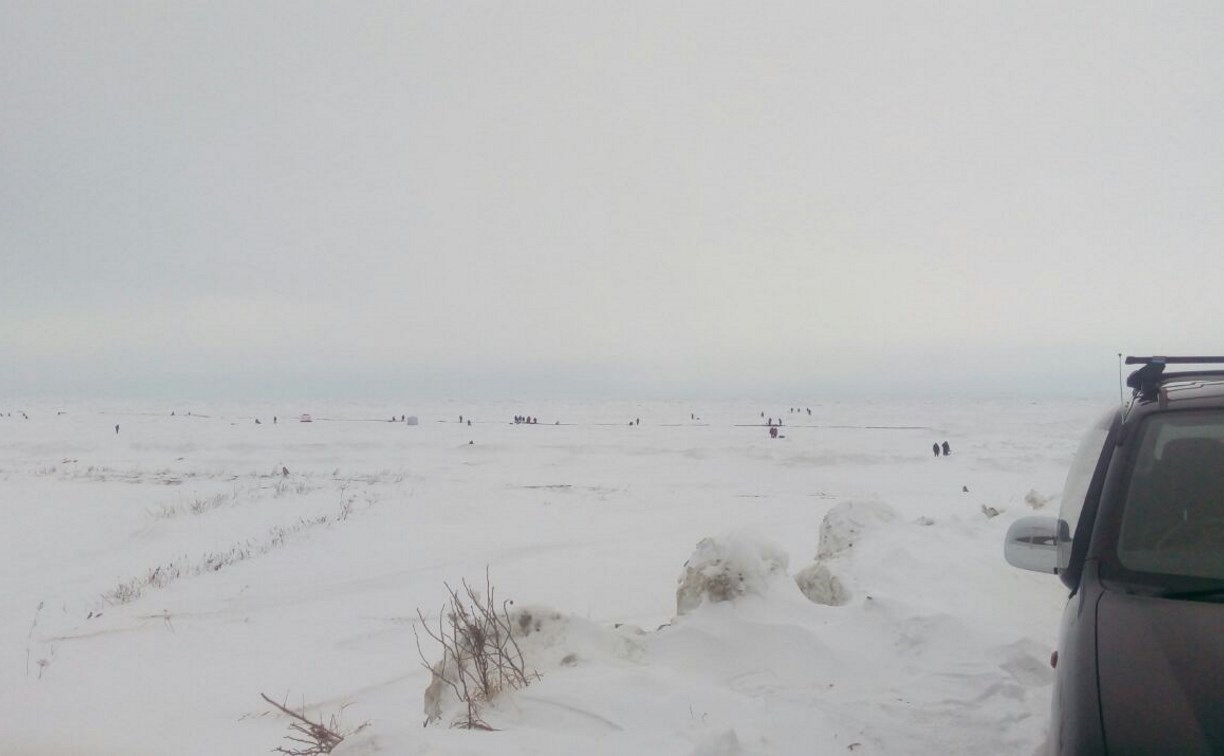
column 486, row 199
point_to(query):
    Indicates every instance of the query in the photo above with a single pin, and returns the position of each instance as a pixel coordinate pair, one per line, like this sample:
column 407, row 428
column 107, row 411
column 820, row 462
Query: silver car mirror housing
column 1031, row 544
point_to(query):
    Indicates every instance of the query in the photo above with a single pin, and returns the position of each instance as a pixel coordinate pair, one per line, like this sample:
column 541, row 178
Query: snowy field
column 157, row 580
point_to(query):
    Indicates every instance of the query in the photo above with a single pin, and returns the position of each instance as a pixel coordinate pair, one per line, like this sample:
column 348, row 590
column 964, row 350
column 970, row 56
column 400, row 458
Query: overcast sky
column 630, row 199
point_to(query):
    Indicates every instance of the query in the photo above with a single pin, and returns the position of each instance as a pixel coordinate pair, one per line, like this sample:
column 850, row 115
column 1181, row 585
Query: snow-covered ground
column 156, row 580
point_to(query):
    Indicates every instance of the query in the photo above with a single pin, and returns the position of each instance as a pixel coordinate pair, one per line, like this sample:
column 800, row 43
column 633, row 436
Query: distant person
column 935, row 448
column 773, row 432
column 116, row 429
column 274, row 419
column 946, row 449
column 284, row 472
column 469, row 423
column 461, row 419
column 809, row 409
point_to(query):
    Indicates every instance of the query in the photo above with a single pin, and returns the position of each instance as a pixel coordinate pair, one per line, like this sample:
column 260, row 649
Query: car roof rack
column 1147, row 379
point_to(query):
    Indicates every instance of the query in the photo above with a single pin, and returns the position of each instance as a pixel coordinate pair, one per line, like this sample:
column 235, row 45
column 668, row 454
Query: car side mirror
column 1031, row 544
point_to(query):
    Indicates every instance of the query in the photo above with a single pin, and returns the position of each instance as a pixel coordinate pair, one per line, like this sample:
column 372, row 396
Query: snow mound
column 821, row 586
column 842, row 527
column 546, row 640
column 1036, row 500
column 727, row 567
column 549, row 639
column 845, row 522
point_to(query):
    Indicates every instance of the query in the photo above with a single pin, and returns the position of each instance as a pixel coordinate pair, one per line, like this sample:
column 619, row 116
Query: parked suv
column 1139, row 542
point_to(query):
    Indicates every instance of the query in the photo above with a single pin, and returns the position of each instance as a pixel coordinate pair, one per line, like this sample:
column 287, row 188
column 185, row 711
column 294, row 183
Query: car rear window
column 1173, row 521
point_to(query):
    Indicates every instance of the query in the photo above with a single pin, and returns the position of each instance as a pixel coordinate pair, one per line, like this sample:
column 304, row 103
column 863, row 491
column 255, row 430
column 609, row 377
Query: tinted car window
column 1173, row 521
column 1079, row 479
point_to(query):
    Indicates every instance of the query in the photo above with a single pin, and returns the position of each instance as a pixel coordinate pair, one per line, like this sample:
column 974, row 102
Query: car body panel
column 1162, row 674
column 1075, row 726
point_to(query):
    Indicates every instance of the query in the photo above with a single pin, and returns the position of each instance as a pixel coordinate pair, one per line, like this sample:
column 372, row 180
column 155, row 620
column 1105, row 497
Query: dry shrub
column 480, row 657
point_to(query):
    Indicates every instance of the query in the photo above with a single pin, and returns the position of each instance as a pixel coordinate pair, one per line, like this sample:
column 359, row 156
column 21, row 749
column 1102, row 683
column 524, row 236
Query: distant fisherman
column 935, row 448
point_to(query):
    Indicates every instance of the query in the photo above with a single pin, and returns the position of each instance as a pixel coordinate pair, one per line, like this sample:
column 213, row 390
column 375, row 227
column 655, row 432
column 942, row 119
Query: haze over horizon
column 646, row 200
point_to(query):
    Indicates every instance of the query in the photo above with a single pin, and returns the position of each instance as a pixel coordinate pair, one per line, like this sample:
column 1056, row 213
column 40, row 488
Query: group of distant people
column 938, row 449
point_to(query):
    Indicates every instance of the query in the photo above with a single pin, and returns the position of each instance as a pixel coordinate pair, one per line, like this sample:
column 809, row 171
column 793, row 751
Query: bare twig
column 315, row 737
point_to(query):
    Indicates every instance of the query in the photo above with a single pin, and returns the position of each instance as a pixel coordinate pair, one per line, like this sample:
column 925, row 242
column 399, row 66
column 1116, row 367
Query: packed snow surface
column 692, row 585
